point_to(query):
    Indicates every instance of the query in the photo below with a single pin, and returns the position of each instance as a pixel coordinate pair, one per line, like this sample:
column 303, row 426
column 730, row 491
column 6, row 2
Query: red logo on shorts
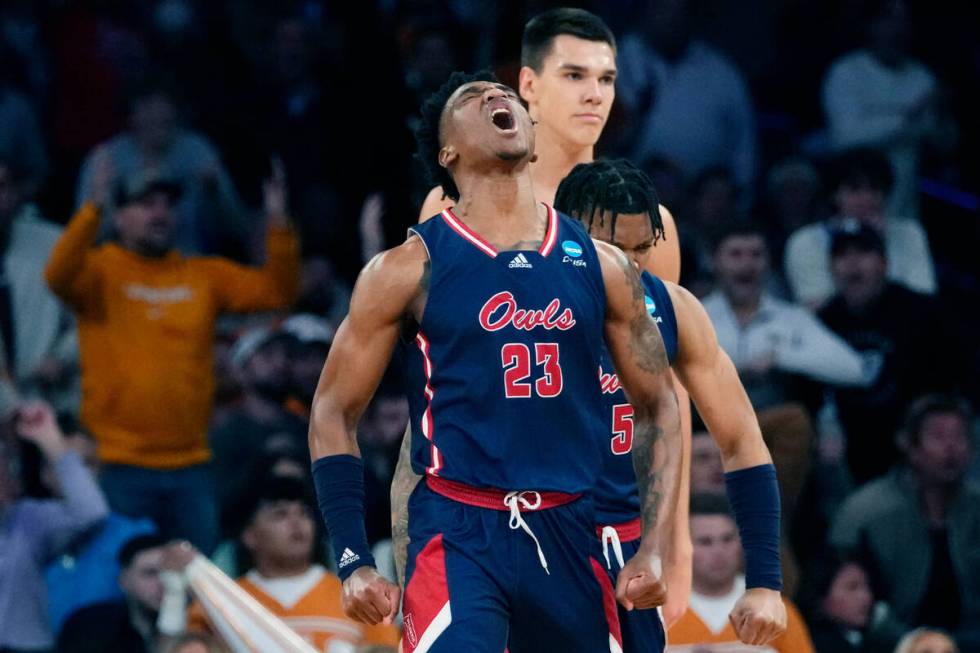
column 409, row 624
column 501, row 310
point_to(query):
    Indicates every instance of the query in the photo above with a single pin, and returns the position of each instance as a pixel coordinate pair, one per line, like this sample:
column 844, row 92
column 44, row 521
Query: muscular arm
column 680, row 551
column 710, row 377
column 435, row 202
column 641, row 362
column 665, row 262
column 402, row 485
column 388, row 290
column 391, row 288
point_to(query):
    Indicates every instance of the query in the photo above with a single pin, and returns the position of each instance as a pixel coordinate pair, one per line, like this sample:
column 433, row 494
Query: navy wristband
column 339, row 482
column 754, row 495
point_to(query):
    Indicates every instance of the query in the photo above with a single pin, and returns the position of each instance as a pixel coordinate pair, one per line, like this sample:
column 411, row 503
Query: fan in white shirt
column 765, row 336
column 881, row 97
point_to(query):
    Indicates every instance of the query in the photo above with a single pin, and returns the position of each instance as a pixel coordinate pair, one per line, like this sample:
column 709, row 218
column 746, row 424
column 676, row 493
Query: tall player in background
column 617, row 203
column 567, row 79
column 505, row 398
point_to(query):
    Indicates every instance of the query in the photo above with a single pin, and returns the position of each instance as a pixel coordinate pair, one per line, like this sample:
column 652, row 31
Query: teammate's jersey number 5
column 516, row 360
column 622, row 429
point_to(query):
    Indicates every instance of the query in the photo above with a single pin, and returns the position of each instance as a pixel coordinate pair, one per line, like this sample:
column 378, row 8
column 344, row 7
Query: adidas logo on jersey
column 520, row 261
column 347, row 558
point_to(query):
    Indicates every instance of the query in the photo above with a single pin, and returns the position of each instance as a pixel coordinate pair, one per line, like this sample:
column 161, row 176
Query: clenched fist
column 371, row 598
column 759, row 616
column 641, row 582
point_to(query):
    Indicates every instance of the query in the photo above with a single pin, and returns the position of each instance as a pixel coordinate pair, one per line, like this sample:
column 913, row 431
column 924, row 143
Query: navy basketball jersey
column 501, row 377
column 616, row 498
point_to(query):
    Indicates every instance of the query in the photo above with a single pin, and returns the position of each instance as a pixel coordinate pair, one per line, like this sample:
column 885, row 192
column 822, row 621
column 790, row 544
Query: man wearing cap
column 887, row 321
column 146, row 331
column 860, row 182
column 312, row 337
column 260, row 423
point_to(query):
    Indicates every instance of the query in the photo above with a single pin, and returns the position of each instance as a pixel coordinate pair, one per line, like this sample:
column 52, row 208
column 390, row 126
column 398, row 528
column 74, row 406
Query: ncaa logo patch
column 651, row 306
column 572, row 248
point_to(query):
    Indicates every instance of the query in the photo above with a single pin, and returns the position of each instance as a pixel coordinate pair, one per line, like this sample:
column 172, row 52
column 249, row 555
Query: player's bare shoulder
column 695, row 332
column 666, row 260
column 395, row 282
column 621, row 279
column 435, row 202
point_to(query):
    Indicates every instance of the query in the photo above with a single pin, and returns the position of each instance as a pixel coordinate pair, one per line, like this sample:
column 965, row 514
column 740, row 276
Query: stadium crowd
column 188, row 189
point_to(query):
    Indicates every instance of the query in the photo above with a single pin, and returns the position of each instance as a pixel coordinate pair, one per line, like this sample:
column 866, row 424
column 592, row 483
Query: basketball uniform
column 617, row 502
column 505, row 407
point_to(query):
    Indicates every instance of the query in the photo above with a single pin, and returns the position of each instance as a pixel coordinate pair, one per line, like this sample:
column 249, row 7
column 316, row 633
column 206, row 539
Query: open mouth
column 501, row 115
column 503, row 119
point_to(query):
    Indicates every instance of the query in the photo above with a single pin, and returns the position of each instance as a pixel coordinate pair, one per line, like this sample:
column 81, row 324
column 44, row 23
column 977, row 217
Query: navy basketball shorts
column 490, row 572
column 642, row 630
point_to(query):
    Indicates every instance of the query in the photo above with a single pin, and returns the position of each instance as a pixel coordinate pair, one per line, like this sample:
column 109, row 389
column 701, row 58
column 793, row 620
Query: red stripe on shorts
column 608, row 601
column 426, row 608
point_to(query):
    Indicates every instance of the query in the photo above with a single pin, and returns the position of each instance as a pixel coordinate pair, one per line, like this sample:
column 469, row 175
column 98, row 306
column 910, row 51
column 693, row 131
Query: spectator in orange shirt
column 281, row 538
column 717, row 585
column 146, row 318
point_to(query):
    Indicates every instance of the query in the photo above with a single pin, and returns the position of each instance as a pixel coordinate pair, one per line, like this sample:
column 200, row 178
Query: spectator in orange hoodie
column 146, row 318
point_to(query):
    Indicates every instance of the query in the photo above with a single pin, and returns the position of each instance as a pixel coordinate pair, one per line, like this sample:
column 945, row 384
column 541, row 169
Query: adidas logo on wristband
column 348, row 557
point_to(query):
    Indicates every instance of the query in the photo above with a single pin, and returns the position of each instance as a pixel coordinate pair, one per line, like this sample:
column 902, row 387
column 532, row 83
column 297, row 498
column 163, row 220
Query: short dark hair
column 923, row 407
column 137, row 545
column 541, row 31
column 862, row 168
column 613, row 185
column 710, row 505
column 428, row 132
column 735, row 228
column 273, row 489
column 820, row 573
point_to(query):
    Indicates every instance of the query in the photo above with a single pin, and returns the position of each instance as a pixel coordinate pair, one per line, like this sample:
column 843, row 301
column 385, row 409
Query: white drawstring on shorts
column 516, row 502
column 611, row 536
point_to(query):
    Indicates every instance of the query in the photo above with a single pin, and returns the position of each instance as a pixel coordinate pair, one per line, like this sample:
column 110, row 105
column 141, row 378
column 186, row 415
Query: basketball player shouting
column 507, row 304
column 568, row 59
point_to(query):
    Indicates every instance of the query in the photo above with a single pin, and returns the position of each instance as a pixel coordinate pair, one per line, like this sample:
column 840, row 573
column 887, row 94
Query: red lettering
column 492, row 319
column 494, row 303
column 609, row 383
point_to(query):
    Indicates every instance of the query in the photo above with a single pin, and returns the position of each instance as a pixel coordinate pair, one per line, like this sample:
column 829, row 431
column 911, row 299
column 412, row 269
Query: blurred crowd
column 188, row 189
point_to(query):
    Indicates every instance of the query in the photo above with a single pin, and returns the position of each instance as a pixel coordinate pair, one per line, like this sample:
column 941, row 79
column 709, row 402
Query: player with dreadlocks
column 610, row 184
column 503, row 309
column 618, row 204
